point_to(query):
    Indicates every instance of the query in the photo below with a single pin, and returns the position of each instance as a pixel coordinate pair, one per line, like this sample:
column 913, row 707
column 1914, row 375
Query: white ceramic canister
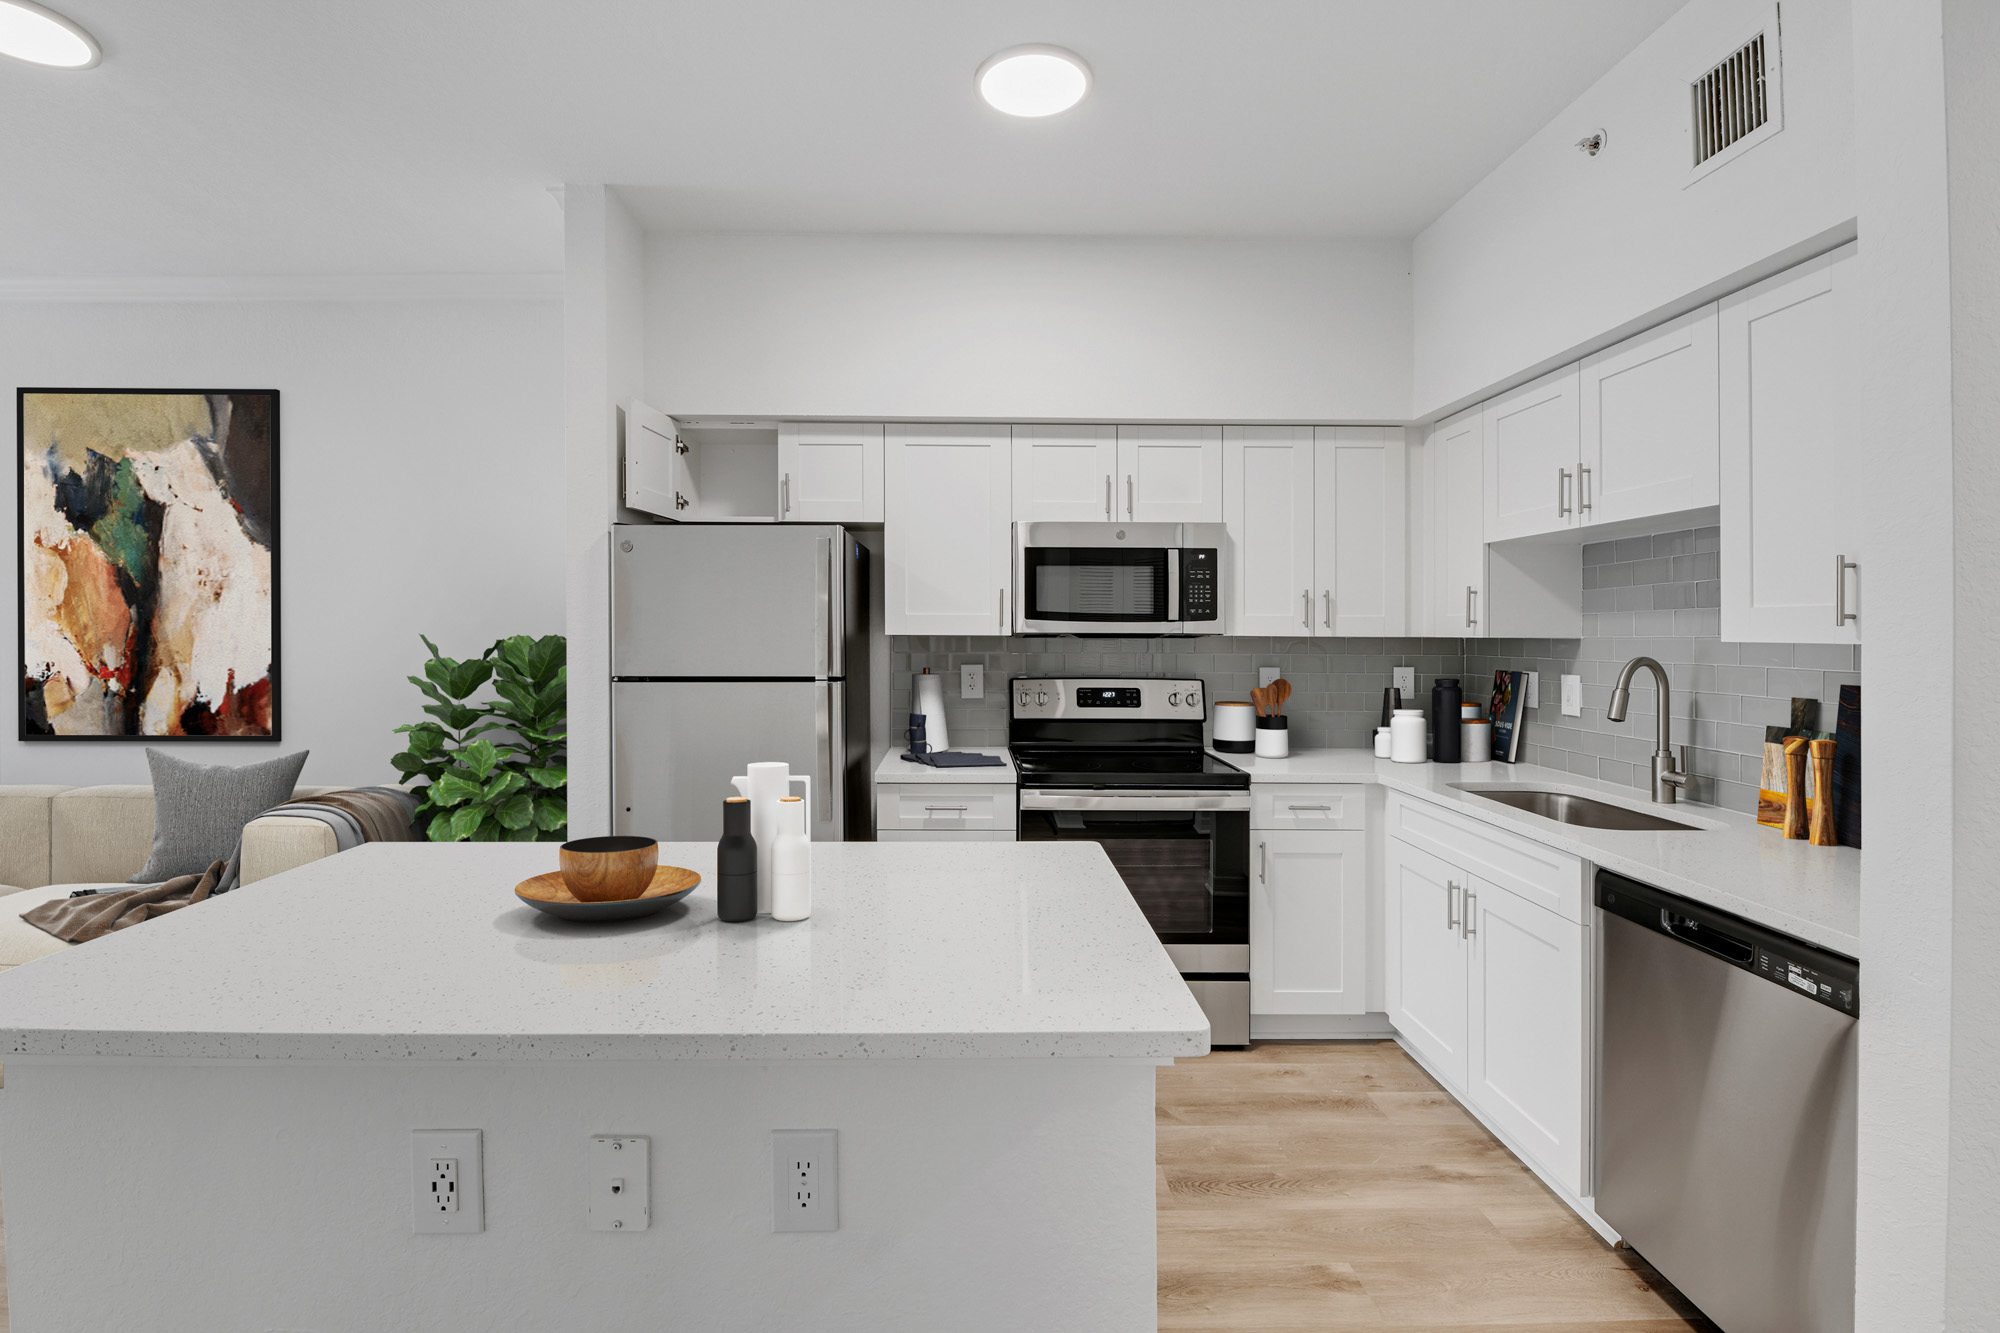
column 1409, row 736
column 1381, row 742
column 1274, row 737
column 766, row 784
column 1235, row 727
column 1475, row 741
column 791, row 864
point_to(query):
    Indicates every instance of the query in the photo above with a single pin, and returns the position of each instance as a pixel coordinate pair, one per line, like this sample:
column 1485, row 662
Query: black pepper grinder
column 736, row 863
column 1445, row 732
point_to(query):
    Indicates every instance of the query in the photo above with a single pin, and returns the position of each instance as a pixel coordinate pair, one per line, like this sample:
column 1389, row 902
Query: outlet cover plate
column 1265, row 675
column 805, row 1180
column 430, row 1149
column 1572, row 696
column 1534, row 697
column 1405, row 679
column 971, row 682
column 620, row 1183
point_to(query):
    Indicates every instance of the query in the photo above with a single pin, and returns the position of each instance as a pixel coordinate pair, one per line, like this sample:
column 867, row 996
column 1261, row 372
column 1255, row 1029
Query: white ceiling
column 420, row 136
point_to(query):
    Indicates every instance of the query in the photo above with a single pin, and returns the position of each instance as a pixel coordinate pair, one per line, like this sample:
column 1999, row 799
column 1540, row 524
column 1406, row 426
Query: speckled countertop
column 1731, row 861
column 400, row 951
column 895, row 768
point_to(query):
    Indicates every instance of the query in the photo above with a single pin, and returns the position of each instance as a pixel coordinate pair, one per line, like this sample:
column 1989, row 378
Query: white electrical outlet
column 1572, row 696
column 971, row 682
column 1405, row 680
column 448, row 1191
column 805, row 1178
column 1265, row 675
column 620, row 1183
column 1534, row 695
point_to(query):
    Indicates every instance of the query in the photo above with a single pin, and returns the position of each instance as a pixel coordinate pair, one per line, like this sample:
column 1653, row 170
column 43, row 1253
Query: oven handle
column 1033, row 799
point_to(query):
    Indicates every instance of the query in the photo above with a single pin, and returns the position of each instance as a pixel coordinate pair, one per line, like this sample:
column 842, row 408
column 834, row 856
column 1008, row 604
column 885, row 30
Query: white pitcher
column 766, row 784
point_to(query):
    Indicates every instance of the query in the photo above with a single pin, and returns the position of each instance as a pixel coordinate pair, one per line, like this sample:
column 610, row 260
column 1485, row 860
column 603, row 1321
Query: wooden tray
column 548, row 893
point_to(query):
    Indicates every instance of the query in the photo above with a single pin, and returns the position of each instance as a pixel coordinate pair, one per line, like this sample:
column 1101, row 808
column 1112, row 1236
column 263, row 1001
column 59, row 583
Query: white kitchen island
column 207, row 1121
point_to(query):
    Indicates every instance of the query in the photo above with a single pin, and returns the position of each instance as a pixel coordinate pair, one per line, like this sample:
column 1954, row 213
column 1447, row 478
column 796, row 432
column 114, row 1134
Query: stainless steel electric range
column 1118, row 761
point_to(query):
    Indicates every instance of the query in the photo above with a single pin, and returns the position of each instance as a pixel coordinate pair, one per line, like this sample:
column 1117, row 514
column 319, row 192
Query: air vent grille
column 1731, row 101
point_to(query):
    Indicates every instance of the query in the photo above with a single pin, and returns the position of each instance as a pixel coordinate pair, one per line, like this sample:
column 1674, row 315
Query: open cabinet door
column 658, row 480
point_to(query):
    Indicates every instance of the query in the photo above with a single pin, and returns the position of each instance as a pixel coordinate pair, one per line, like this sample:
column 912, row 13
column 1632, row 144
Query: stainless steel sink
column 1565, row 808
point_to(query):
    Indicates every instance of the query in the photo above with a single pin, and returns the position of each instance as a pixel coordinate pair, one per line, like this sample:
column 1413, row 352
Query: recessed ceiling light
column 1034, row 80
column 43, row 37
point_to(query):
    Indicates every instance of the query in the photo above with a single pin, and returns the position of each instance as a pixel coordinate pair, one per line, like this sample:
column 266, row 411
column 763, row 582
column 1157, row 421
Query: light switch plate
column 447, row 1179
column 1572, row 699
column 1405, row 679
column 971, row 682
column 1265, row 675
column 1534, row 695
column 620, row 1183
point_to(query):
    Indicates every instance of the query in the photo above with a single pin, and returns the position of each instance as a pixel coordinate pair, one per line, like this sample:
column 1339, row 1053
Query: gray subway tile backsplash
column 1725, row 694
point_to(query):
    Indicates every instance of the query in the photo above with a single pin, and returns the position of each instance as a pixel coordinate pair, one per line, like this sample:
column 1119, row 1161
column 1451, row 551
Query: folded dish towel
column 954, row 759
column 89, row 918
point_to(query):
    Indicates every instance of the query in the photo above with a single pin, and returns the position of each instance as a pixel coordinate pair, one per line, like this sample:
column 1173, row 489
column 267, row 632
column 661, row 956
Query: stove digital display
column 1107, row 698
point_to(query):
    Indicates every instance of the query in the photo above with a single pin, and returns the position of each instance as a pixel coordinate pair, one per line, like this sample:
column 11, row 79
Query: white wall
column 1024, row 327
column 418, row 443
column 1556, row 252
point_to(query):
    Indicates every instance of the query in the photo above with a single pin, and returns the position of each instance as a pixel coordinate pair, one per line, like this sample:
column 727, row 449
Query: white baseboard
column 1319, row 1027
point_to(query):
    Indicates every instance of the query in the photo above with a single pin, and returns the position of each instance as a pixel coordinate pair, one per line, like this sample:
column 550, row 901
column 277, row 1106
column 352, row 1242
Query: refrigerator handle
column 824, row 624
column 823, row 752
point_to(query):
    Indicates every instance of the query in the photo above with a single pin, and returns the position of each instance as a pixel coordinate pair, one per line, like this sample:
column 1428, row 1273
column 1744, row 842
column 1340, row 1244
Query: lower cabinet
column 946, row 811
column 1308, row 922
column 1492, row 991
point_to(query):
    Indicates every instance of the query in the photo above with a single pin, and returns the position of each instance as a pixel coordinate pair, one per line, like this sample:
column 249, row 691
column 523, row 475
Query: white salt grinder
column 1409, row 736
column 791, row 864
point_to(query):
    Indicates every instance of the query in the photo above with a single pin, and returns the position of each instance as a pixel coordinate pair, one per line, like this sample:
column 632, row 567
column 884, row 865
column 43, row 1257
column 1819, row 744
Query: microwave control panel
column 1200, row 572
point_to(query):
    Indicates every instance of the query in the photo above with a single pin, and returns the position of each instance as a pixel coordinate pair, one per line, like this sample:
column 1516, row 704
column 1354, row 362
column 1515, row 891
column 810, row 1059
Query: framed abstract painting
column 149, row 564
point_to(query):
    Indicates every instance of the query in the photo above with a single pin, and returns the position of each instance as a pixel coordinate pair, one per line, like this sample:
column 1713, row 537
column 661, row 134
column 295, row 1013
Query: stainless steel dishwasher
column 1726, row 1125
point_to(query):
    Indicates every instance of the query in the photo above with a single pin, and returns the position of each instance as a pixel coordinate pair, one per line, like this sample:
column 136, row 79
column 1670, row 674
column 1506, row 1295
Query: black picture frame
column 275, row 676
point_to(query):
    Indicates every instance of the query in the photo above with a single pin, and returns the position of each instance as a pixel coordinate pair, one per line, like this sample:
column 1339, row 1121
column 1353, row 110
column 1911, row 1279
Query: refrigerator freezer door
column 676, row 744
column 722, row 600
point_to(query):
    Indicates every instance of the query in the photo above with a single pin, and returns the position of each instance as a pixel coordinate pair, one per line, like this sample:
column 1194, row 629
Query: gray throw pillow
column 199, row 810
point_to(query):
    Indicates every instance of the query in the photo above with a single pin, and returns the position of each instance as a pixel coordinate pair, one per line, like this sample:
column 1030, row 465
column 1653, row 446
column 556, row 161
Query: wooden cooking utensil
column 1822, row 810
column 1281, row 690
column 1795, row 786
column 1257, row 698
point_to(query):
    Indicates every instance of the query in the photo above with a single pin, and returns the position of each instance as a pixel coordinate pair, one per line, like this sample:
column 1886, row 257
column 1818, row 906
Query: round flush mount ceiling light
column 41, row 36
column 1033, row 80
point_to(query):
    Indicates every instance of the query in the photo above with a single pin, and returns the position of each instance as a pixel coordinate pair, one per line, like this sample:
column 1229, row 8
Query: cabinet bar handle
column 1129, row 510
column 1308, row 807
column 1583, row 489
column 960, row 808
column 1465, row 927
column 1307, row 621
column 1326, row 606
column 785, row 506
column 1003, row 610
column 1841, row 615
column 1261, row 863
column 1470, row 622
column 1450, row 905
column 1562, row 492
column 1107, row 497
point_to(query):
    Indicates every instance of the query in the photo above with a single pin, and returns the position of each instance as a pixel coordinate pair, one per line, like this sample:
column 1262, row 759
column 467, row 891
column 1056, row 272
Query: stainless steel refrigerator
column 733, row 643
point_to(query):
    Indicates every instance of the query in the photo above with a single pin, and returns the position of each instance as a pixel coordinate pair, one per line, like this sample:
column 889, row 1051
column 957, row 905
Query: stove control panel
column 1135, row 699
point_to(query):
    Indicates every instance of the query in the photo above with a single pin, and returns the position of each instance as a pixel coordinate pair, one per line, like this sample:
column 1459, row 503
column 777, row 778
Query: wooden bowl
column 609, row 870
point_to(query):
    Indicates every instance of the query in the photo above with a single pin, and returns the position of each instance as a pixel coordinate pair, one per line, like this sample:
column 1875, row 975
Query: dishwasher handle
column 1707, row 938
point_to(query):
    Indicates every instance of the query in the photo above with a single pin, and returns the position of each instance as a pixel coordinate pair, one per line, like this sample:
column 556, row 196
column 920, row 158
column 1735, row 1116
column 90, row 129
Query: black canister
column 736, row 864
column 1445, row 734
column 1392, row 699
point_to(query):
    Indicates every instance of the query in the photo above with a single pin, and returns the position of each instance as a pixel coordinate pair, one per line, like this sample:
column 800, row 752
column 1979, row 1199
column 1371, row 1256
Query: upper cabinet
column 1358, row 530
column 829, row 473
column 1457, row 475
column 1532, row 450
column 1650, row 423
column 657, row 477
column 1267, row 488
column 947, row 529
column 1791, row 505
column 1065, row 474
column 1169, row 474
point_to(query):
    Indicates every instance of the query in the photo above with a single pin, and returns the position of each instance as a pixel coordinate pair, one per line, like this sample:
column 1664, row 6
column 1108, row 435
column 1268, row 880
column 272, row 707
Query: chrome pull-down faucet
column 1668, row 778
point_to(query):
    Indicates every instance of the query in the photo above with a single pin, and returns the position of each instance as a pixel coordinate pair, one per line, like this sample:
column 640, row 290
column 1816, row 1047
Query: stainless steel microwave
column 1119, row 578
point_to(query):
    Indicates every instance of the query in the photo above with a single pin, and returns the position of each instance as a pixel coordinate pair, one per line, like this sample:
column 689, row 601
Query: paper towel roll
column 930, row 702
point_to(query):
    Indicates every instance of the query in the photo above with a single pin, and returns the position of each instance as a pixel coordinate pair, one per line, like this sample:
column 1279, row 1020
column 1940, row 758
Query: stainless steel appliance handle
column 823, row 722
column 1130, row 511
column 1173, row 584
column 1583, row 489
column 785, row 488
column 1841, row 615
column 1562, row 492
column 823, row 609
column 1326, row 606
column 1466, row 929
column 1034, row 798
column 1107, row 497
column 1450, row 905
column 1263, row 862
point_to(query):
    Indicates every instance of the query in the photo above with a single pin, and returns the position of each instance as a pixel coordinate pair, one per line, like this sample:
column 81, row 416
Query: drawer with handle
column 944, row 805
column 1308, row 805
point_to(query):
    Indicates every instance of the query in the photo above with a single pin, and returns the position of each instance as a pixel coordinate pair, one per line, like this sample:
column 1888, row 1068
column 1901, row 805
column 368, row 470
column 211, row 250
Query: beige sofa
column 57, row 839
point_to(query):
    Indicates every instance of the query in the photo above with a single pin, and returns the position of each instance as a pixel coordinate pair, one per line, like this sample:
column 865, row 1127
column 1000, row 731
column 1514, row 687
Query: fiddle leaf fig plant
column 494, row 770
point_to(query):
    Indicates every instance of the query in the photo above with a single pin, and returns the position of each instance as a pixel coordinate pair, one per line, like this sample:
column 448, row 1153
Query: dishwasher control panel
column 1818, row 983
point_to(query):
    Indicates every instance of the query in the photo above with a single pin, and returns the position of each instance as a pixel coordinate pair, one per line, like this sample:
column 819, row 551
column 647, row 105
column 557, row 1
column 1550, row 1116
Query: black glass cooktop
column 1125, row 768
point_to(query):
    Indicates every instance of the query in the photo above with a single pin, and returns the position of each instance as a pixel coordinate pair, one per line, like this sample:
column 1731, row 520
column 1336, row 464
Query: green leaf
column 453, row 788
column 553, row 776
column 466, row 677
column 504, row 784
column 515, row 812
column 480, row 756
column 410, row 765
column 526, row 833
column 466, row 821
column 440, row 829
column 455, row 716
column 551, row 813
column 546, row 658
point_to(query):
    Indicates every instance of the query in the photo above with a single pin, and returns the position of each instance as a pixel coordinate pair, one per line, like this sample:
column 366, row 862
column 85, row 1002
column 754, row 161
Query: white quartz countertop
column 418, row 951
column 895, row 768
column 1731, row 861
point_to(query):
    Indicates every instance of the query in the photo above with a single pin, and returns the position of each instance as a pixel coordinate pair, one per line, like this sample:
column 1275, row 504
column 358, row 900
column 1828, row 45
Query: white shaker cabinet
column 1169, row 474
column 947, row 529
column 1358, row 531
column 1267, row 489
column 1066, row 474
column 1532, row 447
column 1425, row 949
column 1791, row 495
column 829, row 473
column 1457, row 471
column 1650, row 409
column 1308, row 922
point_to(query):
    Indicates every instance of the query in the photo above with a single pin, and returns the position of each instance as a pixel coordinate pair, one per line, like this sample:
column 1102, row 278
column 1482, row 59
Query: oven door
column 1097, row 578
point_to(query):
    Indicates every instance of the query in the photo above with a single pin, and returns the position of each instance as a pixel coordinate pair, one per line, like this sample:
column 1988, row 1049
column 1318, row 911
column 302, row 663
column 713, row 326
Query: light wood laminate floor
column 1336, row 1186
